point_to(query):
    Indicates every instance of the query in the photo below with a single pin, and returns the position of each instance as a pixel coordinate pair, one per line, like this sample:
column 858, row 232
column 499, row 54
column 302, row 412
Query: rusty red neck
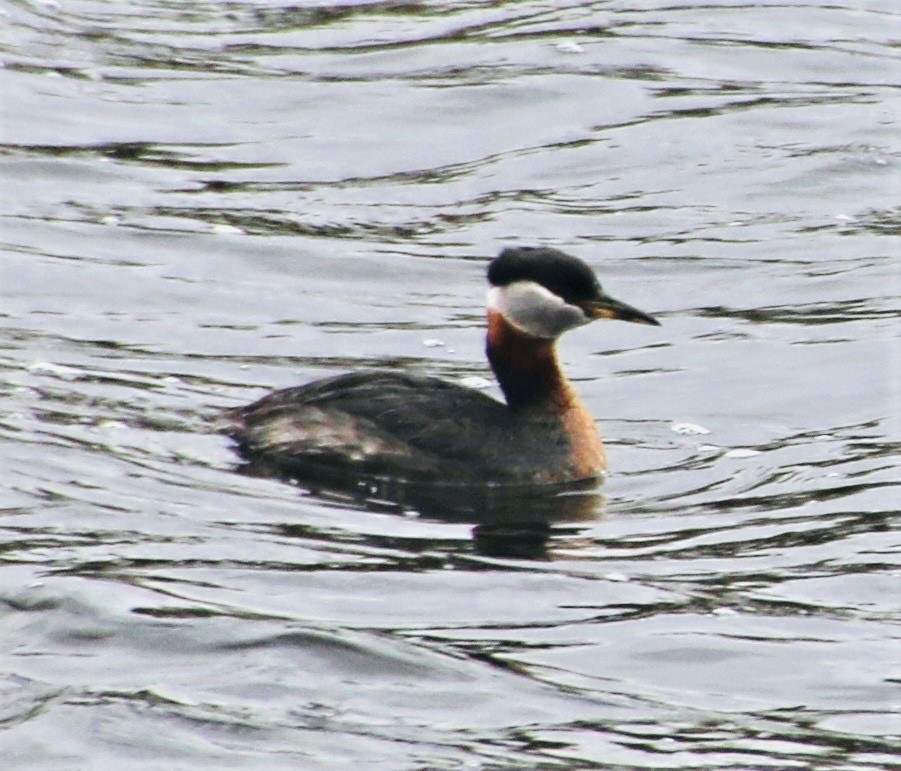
column 532, row 381
column 526, row 367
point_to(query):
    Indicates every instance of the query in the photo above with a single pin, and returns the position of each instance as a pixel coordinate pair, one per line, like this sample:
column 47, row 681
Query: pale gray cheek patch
column 535, row 310
column 547, row 322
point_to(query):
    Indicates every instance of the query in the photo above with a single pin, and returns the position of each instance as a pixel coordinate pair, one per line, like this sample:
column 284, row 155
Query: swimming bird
column 411, row 428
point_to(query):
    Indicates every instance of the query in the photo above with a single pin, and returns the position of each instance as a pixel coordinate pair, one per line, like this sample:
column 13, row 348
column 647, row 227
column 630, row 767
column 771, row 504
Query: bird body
column 406, row 427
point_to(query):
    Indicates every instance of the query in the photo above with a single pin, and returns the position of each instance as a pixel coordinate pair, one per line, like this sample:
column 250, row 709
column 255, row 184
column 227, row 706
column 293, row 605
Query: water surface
column 204, row 201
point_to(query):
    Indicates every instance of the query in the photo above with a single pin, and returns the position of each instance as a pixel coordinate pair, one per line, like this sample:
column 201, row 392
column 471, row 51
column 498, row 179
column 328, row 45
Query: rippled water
column 204, row 201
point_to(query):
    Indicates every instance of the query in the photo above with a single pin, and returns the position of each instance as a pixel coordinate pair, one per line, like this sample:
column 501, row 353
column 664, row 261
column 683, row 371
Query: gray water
column 205, row 201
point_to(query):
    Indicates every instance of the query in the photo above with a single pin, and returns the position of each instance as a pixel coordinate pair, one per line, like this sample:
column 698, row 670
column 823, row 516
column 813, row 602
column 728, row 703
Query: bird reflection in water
column 514, row 467
column 515, row 521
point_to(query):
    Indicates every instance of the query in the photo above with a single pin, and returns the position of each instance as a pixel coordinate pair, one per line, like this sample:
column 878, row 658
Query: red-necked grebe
column 406, row 427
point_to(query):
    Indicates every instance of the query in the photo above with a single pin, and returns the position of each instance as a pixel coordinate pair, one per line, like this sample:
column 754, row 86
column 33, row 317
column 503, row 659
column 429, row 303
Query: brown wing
column 376, row 422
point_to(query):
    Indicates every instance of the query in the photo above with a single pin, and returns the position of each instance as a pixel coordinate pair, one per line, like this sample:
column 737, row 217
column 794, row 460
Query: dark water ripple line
column 817, row 526
column 28, row 700
column 211, row 61
column 708, row 496
column 740, row 741
column 137, row 366
column 165, row 155
column 811, row 314
column 709, row 591
column 789, row 500
column 241, row 58
column 161, row 638
column 850, row 450
column 781, row 734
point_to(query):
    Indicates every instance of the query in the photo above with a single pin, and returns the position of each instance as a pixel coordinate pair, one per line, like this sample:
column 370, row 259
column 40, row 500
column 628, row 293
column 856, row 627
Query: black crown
column 564, row 275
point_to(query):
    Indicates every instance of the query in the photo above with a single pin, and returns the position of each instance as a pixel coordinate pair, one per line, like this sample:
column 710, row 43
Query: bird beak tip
column 614, row 309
